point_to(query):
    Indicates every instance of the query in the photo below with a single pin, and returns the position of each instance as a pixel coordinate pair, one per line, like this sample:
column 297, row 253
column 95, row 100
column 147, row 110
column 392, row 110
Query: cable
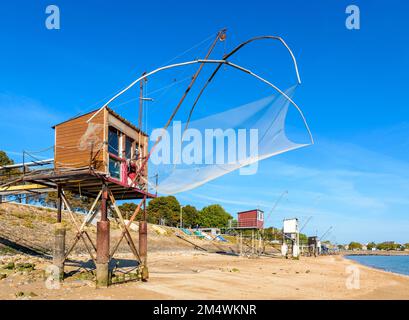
column 190, row 49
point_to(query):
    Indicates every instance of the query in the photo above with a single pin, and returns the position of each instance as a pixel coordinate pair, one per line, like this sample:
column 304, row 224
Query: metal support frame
column 100, row 252
column 125, row 230
column 81, row 231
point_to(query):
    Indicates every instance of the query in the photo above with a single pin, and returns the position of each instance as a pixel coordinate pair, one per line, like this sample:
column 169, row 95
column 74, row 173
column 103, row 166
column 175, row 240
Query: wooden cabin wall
column 77, row 142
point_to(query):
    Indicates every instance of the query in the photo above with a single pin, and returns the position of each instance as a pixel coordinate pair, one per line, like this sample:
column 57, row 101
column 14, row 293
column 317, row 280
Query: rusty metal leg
column 143, row 244
column 103, row 232
column 59, row 239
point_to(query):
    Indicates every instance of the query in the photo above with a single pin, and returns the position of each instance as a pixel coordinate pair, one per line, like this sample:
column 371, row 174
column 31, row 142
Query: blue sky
column 355, row 178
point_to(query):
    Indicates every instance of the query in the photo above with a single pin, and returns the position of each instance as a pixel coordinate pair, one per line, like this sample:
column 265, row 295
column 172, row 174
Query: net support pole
column 143, row 243
column 59, row 239
column 103, row 235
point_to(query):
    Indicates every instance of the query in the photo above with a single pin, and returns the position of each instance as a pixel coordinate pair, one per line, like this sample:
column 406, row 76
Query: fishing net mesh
column 191, row 154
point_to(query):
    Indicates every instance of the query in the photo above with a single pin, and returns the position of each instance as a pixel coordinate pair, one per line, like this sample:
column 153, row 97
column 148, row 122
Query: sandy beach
column 194, row 275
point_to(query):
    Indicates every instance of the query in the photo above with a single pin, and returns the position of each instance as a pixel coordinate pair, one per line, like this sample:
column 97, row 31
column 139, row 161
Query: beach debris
column 25, row 295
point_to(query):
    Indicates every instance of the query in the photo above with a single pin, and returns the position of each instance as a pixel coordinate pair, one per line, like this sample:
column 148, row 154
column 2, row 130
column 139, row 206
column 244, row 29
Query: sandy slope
column 193, row 275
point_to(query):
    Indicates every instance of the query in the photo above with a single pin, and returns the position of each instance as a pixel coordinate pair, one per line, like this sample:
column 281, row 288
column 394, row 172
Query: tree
column 4, row 159
column 406, row 245
column 167, row 208
column 128, row 208
column 77, row 203
column 214, row 216
column 371, row 245
column 191, row 216
column 8, row 173
column 355, row 246
column 388, row 245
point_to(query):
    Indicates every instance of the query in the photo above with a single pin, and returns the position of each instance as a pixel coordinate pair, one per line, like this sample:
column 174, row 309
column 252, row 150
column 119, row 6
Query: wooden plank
column 23, row 187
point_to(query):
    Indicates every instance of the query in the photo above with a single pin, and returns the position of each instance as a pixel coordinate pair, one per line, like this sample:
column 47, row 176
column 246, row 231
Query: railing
column 245, row 223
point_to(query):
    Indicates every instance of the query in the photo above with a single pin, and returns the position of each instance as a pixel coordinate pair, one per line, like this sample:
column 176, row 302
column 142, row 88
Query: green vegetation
column 4, row 250
column 164, row 209
column 77, row 203
column 214, row 216
column 25, row 266
column 83, row 275
column 4, row 159
column 127, row 209
column 9, row 266
column 355, row 246
column 191, row 216
column 371, row 245
column 389, row 245
column 384, row 246
column 167, row 210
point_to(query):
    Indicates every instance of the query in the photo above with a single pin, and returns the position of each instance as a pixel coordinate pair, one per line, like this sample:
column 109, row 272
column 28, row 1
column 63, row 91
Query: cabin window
column 113, row 141
column 115, row 168
column 128, row 148
column 260, row 216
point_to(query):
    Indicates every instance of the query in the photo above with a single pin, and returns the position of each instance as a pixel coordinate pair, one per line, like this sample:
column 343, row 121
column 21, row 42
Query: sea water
column 397, row 264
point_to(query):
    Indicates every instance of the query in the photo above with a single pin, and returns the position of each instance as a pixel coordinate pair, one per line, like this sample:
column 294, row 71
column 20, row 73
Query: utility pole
column 221, row 36
column 181, row 217
column 141, row 99
column 140, row 117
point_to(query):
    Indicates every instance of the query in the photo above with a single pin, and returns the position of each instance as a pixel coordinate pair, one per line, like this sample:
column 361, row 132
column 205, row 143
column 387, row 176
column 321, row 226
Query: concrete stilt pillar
column 103, row 231
column 59, row 249
column 59, row 238
column 143, row 248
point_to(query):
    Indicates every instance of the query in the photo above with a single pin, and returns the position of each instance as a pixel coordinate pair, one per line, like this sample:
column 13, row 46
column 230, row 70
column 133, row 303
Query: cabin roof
column 116, row 115
column 253, row 210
